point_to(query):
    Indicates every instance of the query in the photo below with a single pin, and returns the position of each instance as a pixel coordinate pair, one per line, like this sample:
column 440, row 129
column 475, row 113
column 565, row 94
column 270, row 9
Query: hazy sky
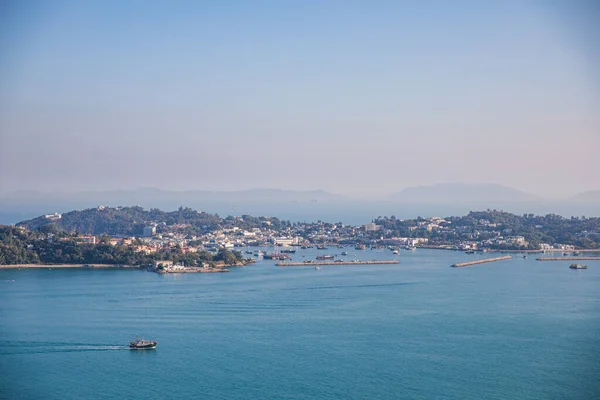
column 352, row 97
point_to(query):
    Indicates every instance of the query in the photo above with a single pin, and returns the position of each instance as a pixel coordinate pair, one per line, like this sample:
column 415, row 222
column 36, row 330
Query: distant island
column 134, row 236
column 462, row 193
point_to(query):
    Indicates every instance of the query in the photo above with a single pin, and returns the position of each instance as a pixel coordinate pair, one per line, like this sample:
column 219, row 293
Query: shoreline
column 14, row 266
column 430, row 247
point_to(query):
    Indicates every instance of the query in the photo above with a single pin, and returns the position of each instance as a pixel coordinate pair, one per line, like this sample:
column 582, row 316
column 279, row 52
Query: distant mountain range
column 443, row 193
column 462, row 193
column 592, row 196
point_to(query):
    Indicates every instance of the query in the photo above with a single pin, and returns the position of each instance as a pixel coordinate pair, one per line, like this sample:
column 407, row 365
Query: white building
column 371, row 226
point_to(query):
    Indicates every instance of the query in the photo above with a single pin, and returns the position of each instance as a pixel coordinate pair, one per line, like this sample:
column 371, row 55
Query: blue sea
column 347, row 212
column 514, row 329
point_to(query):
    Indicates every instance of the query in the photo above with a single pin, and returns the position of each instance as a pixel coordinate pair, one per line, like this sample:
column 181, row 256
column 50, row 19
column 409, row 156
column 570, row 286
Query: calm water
column 516, row 329
column 348, row 212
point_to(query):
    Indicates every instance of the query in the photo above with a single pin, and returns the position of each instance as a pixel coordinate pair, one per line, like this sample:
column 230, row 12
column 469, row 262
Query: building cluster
column 234, row 232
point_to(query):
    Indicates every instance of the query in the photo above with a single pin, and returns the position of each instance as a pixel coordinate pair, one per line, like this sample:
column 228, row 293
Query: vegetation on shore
column 581, row 232
column 22, row 246
column 56, row 240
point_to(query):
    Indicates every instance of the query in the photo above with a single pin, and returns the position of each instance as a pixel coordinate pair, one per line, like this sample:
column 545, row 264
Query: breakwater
column 482, row 261
column 318, row 263
column 566, row 258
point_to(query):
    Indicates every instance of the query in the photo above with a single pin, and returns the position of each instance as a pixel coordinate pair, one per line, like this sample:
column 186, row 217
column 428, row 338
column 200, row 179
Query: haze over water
column 356, row 98
column 516, row 329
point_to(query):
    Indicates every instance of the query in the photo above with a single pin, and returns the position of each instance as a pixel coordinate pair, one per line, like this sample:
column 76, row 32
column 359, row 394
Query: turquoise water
column 516, row 329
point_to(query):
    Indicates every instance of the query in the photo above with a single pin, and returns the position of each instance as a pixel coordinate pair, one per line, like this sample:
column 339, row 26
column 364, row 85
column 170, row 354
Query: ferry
column 578, row 266
column 142, row 344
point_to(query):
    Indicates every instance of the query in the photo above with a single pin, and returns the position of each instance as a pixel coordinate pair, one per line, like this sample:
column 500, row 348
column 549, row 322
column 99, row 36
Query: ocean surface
column 348, row 212
column 514, row 329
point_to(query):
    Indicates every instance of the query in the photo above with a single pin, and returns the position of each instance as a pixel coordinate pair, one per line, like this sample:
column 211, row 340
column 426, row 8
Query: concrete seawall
column 309, row 264
column 483, row 261
column 566, row 258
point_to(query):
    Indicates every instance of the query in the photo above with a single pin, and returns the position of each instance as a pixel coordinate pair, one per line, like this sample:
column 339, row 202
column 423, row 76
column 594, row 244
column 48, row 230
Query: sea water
column 514, row 329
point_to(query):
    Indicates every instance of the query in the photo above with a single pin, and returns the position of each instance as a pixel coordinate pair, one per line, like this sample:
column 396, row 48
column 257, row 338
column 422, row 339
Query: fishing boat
column 142, row 344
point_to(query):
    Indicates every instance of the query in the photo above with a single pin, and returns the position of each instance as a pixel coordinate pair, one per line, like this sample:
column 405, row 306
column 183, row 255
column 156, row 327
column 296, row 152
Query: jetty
column 566, row 258
column 340, row 262
column 482, row 261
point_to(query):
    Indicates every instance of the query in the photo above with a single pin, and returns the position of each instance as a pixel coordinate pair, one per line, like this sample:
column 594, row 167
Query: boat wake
column 8, row 348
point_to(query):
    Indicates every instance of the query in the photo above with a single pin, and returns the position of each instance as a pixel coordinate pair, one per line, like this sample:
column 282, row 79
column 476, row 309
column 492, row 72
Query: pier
column 483, row 261
column 319, row 263
column 566, row 258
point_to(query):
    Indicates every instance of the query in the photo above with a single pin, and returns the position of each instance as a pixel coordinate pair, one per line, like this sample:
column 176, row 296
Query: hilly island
column 133, row 236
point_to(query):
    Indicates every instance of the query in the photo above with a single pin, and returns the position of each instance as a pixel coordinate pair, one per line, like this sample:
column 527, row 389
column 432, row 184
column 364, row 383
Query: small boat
column 576, row 253
column 321, row 247
column 395, row 252
column 142, row 344
column 578, row 266
column 410, row 247
column 469, row 252
column 565, row 254
column 360, row 247
column 325, row 257
column 344, row 253
column 524, row 256
column 317, row 268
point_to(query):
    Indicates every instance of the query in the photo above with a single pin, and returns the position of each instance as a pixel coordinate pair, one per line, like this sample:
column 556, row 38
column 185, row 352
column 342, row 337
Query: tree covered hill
column 130, row 221
column 581, row 232
column 21, row 246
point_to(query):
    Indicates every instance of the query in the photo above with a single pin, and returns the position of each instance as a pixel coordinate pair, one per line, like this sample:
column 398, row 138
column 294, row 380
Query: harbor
column 338, row 262
column 483, row 261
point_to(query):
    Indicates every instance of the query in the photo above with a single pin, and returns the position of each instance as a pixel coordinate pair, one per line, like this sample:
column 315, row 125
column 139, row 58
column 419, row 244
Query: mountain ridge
column 463, row 193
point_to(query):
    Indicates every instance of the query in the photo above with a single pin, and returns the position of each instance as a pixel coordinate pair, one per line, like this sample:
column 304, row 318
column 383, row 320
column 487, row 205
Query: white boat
column 317, row 268
column 395, row 252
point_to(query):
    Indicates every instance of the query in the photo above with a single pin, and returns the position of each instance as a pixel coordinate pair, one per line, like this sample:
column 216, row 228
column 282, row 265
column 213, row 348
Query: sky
column 353, row 97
